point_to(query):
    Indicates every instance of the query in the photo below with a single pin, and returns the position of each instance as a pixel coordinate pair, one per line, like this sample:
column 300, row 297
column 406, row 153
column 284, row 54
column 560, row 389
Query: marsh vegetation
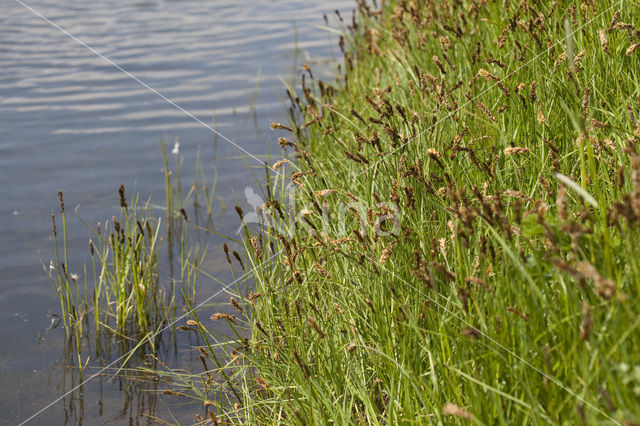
column 462, row 242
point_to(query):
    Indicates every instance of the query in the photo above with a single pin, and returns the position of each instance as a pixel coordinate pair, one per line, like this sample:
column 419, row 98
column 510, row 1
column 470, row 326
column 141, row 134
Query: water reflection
column 139, row 396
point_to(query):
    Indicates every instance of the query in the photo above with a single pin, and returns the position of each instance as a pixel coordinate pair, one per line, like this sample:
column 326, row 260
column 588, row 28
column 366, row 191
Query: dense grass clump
column 465, row 246
column 120, row 295
column 120, row 300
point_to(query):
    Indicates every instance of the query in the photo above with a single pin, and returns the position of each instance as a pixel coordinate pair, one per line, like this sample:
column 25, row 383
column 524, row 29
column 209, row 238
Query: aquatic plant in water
column 120, row 295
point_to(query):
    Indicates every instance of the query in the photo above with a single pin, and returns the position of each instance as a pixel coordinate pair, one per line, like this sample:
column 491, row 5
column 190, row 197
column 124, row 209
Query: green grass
column 503, row 136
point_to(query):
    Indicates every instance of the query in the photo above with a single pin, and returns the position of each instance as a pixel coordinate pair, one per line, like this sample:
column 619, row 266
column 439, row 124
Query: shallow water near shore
column 71, row 121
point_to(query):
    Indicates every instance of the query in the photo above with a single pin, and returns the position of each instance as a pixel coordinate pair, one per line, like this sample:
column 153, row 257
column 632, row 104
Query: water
column 71, row 121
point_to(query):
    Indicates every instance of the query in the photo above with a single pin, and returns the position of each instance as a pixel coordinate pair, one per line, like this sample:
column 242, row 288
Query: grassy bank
column 464, row 245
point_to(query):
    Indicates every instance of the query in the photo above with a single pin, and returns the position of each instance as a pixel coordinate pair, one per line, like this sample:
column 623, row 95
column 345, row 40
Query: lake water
column 71, row 121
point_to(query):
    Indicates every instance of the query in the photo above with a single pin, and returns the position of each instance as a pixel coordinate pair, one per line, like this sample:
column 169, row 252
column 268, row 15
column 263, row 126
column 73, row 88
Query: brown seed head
column 262, row 382
column 123, row 200
column 386, row 253
column 235, row 304
column 603, row 40
column 587, row 322
column 280, row 163
column 253, row 296
column 561, row 202
column 275, row 126
column 532, row 91
column 513, row 150
column 561, row 58
column 540, row 117
column 315, row 327
column 240, row 212
column 237, row 256
column 451, row 409
column 632, row 49
column 61, row 201
column 225, row 247
column 222, row 315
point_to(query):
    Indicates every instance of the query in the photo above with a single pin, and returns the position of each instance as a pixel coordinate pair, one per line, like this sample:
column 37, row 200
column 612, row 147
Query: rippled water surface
column 69, row 120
